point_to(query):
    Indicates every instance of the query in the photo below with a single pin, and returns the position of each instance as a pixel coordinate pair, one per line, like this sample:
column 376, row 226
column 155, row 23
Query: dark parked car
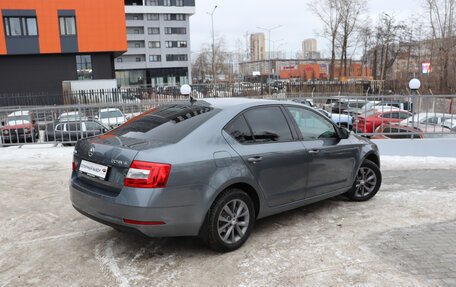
column 71, row 131
column 212, row 168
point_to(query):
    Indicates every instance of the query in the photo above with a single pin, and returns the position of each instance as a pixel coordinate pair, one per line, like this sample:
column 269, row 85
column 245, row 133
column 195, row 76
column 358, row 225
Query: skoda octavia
column 211, row 168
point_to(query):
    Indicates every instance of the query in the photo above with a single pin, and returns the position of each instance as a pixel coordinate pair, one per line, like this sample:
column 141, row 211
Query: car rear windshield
column 110, row 114
column 167, row 123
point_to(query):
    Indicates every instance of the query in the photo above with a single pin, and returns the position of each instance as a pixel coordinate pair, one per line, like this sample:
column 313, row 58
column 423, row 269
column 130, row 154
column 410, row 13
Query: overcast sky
column 233, row 18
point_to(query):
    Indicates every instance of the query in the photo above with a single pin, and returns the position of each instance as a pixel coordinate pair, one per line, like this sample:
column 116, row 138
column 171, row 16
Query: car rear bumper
column 183, row 220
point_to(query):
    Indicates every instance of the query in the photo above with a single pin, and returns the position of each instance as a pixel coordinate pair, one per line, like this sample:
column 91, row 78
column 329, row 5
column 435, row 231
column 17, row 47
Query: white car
column 111, row 117
column 431, row 118
column 451, row 124
column 71, row 116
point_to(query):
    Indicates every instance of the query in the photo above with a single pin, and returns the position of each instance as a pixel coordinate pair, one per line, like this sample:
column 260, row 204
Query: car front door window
column 311, row 125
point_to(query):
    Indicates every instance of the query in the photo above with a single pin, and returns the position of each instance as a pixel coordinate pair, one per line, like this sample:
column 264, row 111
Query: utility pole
column 269, row 57
column 214, row 80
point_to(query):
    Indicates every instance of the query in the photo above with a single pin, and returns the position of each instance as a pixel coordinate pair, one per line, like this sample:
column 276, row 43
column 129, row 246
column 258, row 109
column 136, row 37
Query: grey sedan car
column 211, row 168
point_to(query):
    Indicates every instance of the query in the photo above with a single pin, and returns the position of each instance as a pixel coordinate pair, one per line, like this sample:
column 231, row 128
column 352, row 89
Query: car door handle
column 314, row 152
column 255, row 159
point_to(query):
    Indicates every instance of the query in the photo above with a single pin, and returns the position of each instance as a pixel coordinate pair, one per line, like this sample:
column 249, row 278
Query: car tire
column 229, row 221
column 367, row 182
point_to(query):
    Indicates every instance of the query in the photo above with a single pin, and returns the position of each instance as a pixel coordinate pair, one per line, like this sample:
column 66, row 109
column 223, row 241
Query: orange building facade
column 318, row 71
column 51, row 41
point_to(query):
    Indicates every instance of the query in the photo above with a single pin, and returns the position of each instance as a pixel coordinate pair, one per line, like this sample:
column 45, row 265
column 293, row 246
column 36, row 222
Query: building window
column 175, row 17
column 20, row 26
column 84, row 67
column 174, row 58
column 177, row 31
column 153, row 31
column 176, row 44
column 67, row 26
column 152, row 2
column 154, row 44
column 179, row 2
column 153, row 17
column 167, row 3
column 119, row 60
column 155, row 58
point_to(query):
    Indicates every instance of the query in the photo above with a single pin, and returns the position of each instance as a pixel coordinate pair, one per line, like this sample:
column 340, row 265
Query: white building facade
column 158, row 37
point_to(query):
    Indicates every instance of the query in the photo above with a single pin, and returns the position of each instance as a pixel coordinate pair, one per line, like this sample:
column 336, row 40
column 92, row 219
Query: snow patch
column 416, row 163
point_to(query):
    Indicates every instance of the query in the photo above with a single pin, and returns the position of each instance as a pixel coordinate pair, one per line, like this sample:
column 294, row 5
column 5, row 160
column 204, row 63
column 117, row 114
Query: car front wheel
column 367, row 183
column 230, row 221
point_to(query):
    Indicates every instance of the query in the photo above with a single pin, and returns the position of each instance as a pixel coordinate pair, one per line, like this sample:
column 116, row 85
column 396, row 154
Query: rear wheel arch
column 250, row 190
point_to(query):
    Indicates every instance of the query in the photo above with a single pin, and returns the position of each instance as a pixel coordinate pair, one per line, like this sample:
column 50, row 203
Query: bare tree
column 351, row 13
column 329, row 12
column 202, row 65
column 389, row 36
column 442, row 21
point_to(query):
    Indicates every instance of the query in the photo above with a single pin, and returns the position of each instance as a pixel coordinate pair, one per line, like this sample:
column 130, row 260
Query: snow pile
column 35, row 156
column 417, row 163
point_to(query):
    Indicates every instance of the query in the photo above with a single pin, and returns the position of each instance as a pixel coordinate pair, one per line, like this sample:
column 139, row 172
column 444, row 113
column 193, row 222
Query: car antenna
column 186, row 90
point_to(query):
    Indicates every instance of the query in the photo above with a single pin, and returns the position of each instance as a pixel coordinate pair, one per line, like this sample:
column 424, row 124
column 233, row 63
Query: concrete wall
column 427, row 147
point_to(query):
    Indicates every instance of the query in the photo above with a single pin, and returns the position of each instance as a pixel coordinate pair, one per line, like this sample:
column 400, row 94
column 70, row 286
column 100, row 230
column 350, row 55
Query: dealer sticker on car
column 93, row 169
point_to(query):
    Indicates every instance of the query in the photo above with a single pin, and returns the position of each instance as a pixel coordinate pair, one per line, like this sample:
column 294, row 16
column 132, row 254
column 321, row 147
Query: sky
column 233, row 18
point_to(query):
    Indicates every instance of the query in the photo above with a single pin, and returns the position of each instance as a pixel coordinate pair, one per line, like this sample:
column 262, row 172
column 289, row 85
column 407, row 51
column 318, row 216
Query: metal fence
column 421, row 116
column 135, row 95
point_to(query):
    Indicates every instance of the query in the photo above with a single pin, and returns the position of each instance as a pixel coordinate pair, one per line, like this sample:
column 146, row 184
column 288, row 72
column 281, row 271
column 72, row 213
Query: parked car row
column 21, row 126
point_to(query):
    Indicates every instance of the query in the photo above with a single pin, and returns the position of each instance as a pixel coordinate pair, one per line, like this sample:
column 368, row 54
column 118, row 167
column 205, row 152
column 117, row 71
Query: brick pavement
column 427, row 251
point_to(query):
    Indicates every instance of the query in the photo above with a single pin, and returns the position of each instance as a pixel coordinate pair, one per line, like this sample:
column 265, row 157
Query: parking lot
column 402, row 237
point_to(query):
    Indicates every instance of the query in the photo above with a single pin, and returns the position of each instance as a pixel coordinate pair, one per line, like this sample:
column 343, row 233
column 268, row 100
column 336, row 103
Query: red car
column 19, row 126
column 368, row 122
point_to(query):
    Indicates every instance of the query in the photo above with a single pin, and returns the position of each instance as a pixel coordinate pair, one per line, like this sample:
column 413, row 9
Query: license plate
column 93, row 169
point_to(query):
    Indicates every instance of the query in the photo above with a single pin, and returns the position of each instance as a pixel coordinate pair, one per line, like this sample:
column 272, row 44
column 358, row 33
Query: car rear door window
column 72, row 127
column 239, row 130
column 268, row 124
column 404, row 116
column 312, row 125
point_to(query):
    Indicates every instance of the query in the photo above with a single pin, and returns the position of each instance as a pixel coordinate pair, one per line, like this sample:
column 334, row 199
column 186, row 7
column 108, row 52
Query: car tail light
column 74, row 165
column 147, row 175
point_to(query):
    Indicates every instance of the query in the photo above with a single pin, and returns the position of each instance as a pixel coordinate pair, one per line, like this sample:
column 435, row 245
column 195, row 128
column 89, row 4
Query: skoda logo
column 91, row 151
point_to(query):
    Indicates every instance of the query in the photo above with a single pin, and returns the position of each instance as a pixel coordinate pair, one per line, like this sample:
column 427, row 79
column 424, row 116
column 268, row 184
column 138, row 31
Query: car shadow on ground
column 189, row 246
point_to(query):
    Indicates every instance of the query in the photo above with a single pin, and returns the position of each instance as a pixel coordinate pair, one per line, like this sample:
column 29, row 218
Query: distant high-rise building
column 309, row 49
column 257, row 47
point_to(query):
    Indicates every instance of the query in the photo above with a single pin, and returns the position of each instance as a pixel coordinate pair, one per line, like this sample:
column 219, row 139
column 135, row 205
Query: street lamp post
column 214, row 81
column 269, row 56
column 414, row 86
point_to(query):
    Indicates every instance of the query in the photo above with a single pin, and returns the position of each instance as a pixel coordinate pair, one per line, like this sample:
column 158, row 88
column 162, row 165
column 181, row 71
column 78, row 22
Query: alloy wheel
column 233, row 221
column 366, row 180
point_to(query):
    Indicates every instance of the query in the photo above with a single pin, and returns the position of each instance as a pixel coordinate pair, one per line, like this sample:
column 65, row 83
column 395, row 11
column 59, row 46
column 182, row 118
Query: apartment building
column 43, row 43
column 257, row 47
column 158, row 37
column 309, row 49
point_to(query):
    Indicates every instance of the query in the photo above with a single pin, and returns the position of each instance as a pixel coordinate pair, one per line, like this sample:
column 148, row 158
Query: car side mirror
column 344, row 133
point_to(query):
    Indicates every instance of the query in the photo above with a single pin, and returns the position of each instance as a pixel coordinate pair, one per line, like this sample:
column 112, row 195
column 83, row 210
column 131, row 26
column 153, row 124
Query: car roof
column 226, row 103
column 109, row 110
column 69, row 113
column 19, row 113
